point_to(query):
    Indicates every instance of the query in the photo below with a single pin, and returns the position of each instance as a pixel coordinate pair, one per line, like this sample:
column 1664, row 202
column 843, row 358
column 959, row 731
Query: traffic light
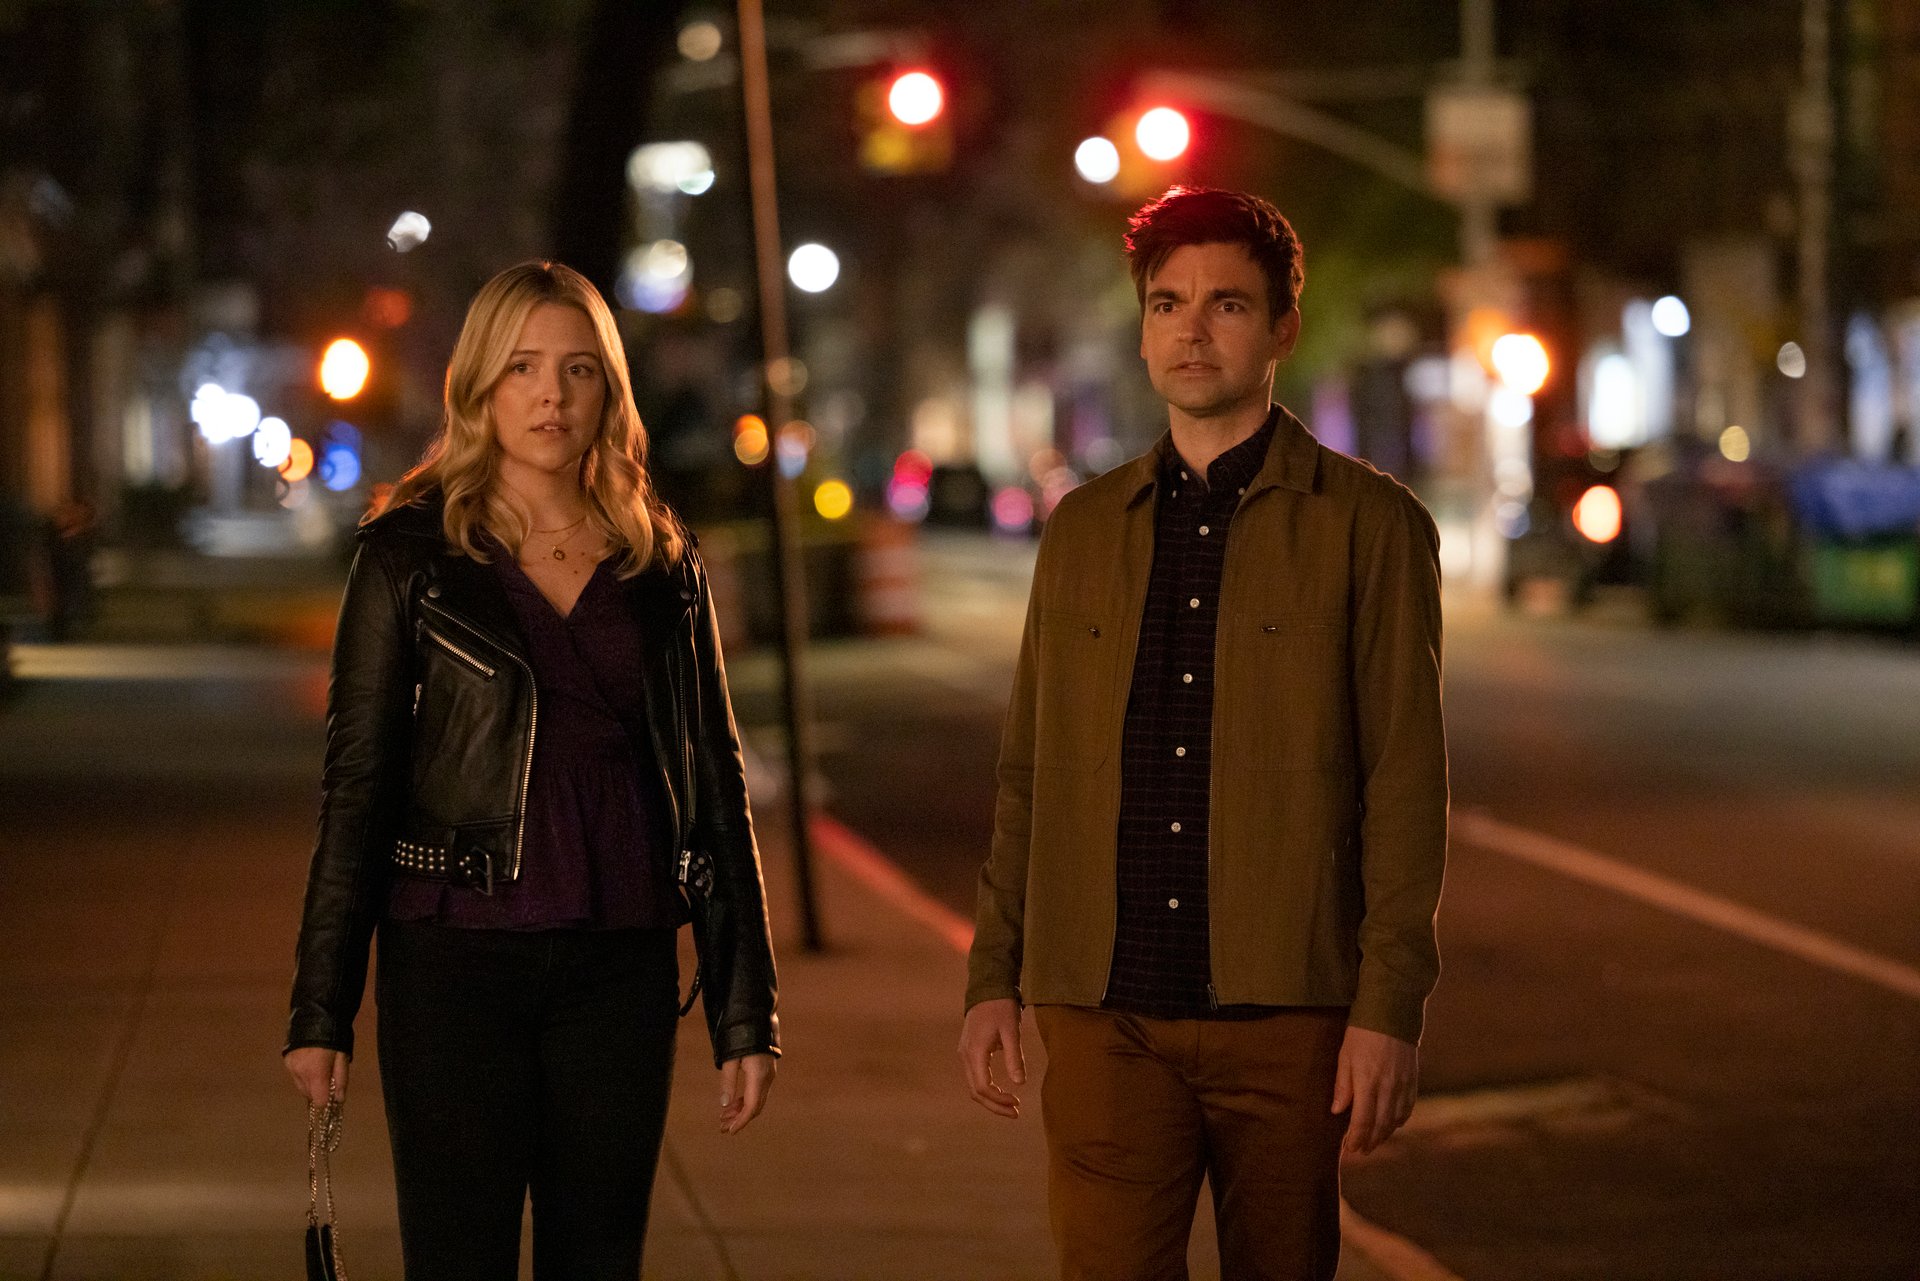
column 1139, row 154
column 903, row 124
column 1162, row 134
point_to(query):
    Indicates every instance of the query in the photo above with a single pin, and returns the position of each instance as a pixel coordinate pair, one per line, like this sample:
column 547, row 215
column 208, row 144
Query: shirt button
column 1204, row 531
column 1179, row 751
column 1173, row 902
column 1194, row 603
column 1187, row 679
column 1184, row 476
column 1176, row 827
column 1243, row 491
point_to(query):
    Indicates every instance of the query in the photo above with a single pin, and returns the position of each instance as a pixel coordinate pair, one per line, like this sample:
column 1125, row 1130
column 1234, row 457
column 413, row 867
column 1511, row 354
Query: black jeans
column 518, row 1061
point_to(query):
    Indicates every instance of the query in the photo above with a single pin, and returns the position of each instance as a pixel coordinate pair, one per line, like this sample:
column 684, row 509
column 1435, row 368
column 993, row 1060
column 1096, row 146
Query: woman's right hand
column 314, row 1068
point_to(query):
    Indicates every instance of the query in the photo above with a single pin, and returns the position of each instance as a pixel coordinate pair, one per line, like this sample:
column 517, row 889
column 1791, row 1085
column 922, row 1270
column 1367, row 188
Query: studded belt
column 470, row 868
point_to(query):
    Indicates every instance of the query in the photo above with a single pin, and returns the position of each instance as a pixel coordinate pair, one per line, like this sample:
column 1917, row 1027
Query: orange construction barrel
column 888, row 569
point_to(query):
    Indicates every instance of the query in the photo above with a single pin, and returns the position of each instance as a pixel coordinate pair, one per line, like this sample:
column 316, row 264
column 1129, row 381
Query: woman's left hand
column 745, row 1083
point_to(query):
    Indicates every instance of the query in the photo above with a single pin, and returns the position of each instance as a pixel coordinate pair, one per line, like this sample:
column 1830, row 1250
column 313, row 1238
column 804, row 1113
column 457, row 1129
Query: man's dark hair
column 1207, row 216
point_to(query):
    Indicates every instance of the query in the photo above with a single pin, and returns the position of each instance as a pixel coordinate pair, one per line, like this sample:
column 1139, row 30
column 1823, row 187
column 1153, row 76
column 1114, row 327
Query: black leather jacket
column 432, row 718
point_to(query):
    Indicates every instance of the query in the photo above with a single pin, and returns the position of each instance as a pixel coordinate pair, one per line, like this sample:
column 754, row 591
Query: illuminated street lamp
column 813, row 268
column 1097, row 160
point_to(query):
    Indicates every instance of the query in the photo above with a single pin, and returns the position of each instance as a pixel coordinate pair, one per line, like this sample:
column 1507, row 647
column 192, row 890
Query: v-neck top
column 594, row 849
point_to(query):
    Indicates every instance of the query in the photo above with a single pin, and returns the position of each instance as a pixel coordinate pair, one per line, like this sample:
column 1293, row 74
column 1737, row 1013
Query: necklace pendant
column 559, row 553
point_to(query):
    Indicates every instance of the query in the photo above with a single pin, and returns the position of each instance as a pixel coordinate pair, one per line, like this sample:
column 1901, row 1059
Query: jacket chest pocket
column 1285, row 701
column 456, row 680
column 467, row 657
column 1074, row 692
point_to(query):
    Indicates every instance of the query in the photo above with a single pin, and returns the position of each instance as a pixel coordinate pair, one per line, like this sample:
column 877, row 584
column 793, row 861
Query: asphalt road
column 1678, row 1032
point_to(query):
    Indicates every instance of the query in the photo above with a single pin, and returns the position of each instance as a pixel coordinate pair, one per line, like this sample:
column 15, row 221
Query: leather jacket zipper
column 682, row 695
column 461, row 654
column 674, row 797
column 526, row 771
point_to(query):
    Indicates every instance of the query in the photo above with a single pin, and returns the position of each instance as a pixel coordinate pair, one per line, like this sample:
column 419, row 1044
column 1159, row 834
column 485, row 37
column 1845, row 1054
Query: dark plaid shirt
column 1160, row 961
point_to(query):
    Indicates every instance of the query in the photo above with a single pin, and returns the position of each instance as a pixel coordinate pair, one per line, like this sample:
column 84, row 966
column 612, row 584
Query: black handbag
column 323, row 1239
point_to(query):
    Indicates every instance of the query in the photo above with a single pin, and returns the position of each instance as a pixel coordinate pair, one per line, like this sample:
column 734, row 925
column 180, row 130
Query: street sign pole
column 776, row 390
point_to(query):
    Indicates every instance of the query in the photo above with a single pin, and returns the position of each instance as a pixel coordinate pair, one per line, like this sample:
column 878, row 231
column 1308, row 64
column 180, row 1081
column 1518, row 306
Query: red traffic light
column 915, row 98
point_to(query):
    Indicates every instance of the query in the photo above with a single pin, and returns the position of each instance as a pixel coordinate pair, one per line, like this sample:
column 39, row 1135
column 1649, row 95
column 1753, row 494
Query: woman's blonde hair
column 463, row 459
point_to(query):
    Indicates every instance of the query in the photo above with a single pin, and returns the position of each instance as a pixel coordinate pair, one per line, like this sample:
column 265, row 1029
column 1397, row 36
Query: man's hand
column 1378, row 1077
column 314, row 1068
column 745, row 1083
column 993, row 1027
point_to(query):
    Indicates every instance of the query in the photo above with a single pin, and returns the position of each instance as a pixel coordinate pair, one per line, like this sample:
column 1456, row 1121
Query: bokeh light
column 387, row 308
column 1597, row 515
column 813, row 268
column 1097, row 160
column 670, row 166
column 272, row 443
column 299, row 464
column 1735, row 445
column 1521, row 361
column 793, row 446
column 339, row 468
column 1012, row 510
column 409, row 231
column 833, row 499
column 1163, row 134
column 1671, row 319
column 655, row 277
column 915, row 98
column 750, row 443
column 700, row 41
column 344, row 368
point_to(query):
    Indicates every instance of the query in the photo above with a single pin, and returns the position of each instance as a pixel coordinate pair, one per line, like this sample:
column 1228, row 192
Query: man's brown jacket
column 1329, row 785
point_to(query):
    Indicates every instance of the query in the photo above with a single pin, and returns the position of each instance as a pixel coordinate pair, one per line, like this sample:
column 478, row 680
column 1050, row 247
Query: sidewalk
column 147, row 1129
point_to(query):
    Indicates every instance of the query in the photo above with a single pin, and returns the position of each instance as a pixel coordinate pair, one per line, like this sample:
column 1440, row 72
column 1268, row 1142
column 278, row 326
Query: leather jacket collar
column 662, row 598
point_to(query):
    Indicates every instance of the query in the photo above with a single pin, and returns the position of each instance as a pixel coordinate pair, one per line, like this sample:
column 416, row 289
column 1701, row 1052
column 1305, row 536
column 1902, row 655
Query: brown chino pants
column 1137, row 1110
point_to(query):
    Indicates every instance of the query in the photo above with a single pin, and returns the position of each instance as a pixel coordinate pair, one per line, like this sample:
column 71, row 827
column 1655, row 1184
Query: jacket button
column 434, row 592
column 685, row 594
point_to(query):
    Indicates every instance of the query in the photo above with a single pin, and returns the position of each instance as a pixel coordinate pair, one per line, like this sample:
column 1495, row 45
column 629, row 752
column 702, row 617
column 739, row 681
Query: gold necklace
column 559, row 548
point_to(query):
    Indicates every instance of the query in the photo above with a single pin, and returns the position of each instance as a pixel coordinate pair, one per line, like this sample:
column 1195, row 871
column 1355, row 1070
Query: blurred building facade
column 229, row 212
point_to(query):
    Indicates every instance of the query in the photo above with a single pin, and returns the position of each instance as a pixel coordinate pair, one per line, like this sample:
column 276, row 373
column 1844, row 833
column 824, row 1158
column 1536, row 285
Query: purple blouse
column 592, row 855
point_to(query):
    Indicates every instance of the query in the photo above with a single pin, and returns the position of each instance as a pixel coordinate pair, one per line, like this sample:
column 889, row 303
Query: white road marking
column 1683, row 900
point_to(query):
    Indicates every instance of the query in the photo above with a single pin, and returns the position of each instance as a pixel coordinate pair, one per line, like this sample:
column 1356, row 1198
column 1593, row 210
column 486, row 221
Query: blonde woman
column 530, row 751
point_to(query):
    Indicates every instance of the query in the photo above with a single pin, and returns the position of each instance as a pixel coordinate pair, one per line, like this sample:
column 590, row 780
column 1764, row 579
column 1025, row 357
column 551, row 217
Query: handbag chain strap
column 324, row 1127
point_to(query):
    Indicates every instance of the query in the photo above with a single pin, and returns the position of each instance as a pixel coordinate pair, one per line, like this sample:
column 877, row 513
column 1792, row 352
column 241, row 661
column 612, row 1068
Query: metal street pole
column 1813, row 130
column 789, row 582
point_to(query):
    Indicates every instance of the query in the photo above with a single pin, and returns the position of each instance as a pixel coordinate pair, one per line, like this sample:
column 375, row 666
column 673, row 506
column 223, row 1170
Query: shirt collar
column 1234, row 469
column 1291, row 459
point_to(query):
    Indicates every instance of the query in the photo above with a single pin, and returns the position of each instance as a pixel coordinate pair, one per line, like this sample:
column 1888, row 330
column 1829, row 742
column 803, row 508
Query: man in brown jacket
column 1222, row 811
